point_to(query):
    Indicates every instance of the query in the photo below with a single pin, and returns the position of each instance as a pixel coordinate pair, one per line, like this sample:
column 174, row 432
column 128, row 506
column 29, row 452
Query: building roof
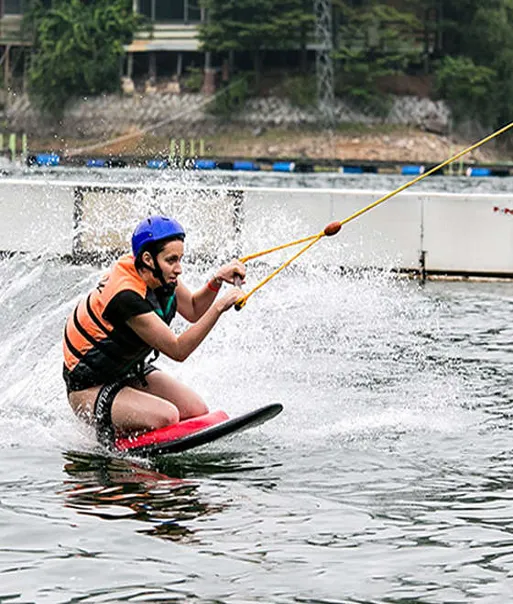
column 166, row 36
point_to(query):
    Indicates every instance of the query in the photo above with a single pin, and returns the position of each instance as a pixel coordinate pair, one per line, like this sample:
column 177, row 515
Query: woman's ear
column 147, row 258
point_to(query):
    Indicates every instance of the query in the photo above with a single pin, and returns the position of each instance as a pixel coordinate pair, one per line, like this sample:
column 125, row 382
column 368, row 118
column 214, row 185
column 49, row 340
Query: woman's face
column 170, row 259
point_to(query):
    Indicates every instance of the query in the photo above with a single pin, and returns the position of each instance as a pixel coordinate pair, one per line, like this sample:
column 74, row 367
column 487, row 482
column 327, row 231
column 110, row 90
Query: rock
column 435, row 125
column 173, row 88
column 149, row 87
column 127, row 86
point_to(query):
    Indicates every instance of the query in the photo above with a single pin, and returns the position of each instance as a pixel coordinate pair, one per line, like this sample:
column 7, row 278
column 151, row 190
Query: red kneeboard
column 193, row 432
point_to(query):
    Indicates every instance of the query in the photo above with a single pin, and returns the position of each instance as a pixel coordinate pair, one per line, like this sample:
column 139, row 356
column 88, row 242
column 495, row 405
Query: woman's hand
column 228, row 272
column 229, row 299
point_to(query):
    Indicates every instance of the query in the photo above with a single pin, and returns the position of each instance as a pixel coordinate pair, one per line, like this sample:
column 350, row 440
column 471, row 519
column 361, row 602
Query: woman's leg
column 188, row 402
column 82, row 402
column 132, row 409
column 141, row 411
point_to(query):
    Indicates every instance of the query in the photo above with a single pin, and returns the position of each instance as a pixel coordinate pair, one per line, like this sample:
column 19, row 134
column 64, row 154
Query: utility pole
column 324, row 60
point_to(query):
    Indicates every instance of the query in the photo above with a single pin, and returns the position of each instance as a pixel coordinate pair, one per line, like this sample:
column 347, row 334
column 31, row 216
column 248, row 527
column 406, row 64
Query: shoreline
column 395, row 145
column 353, row 148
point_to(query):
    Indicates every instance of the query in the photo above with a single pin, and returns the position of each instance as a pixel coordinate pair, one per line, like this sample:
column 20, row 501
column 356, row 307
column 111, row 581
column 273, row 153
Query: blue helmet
column 155, row 228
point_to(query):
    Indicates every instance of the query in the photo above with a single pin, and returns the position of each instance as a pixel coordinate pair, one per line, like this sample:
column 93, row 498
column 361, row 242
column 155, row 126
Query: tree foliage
column 255, row 26
column 77, row 49
column 468, row 88
column 233, row 99
column 479, row 60
column 78, row 45
column 373, row 40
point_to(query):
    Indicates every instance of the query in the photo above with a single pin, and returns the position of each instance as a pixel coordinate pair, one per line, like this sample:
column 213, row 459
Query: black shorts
column 105, row 431
column 82, row 377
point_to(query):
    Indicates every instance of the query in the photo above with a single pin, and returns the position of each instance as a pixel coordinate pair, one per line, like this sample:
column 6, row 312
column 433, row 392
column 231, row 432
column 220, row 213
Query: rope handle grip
column 237, row 281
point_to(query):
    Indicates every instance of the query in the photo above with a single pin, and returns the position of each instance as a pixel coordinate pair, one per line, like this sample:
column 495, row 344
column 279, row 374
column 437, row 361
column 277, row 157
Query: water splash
column 347, row 354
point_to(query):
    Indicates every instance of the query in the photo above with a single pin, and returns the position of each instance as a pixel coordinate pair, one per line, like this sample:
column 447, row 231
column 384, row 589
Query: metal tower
column 324, row 60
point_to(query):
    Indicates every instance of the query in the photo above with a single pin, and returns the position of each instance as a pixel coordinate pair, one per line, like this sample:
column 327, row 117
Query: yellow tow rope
column 334, row 227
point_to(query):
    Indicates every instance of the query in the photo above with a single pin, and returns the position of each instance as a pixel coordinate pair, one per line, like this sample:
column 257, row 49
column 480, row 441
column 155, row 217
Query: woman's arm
column 154, row 331
column 192, row 306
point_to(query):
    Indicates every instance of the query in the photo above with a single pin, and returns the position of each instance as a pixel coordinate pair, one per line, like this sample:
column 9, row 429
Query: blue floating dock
column 157, row 164
column 284, row 166
column 412, row 170
column 351, row 170
column 48, row 159
column 246, row 165
column 95, row 163
column 480, row 172
column 204, row 164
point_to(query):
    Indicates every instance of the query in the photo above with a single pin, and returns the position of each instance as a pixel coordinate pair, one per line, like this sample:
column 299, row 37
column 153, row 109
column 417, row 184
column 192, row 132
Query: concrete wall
column 182, row 114
column 459, row 234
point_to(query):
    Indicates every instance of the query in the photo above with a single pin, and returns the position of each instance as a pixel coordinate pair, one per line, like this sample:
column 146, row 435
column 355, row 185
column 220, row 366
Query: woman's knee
column 188, row 402
column 191, row 406
column 167, row 415
column 198, row 407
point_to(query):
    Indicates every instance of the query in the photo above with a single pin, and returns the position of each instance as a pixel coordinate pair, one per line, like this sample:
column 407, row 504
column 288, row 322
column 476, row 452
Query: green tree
column 255, row 26
column 468, row 88
column 481, row 34
column 491, row 31
column 374, row 39
column 77, row 49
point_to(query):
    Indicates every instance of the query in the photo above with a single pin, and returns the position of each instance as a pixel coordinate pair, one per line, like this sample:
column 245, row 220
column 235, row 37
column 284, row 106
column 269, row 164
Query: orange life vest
column 95, row 350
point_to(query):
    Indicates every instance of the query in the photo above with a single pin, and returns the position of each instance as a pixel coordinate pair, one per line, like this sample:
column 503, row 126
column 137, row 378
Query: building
column 165, row 47
column 169, row 44
column 13, row 42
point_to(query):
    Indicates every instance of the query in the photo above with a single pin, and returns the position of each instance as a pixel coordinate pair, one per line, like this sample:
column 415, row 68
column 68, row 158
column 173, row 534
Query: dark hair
column 155, row 247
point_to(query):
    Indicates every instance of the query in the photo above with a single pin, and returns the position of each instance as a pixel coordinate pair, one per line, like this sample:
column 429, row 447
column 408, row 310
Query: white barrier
column 438, row 232
column 36, row 217
column 469, row 234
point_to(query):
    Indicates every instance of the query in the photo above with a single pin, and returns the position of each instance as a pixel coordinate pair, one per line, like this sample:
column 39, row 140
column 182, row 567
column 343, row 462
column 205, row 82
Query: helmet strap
column 156, row 271
column 158, row 274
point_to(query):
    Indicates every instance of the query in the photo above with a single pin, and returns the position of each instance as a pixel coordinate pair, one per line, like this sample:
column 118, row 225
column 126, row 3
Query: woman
column 124, row 319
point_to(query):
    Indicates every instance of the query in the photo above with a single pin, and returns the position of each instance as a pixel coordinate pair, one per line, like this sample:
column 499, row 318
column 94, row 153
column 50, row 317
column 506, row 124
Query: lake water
column 387, row 477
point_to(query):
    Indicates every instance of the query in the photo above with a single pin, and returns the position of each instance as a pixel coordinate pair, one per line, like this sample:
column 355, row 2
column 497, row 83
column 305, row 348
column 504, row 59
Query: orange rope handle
column 331, row 229
column 241, row 302
column 245, row 259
